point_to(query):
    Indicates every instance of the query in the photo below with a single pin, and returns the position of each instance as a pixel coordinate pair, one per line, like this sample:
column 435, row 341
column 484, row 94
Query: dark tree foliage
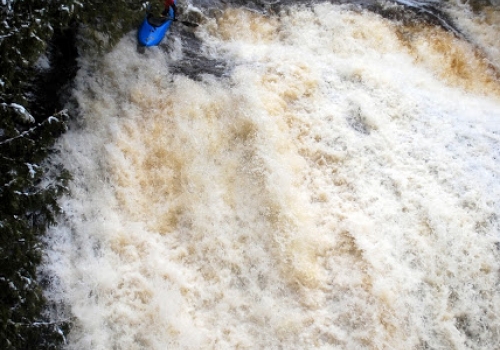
column 26, row 208
column 105, row 22
column 26, row 205
column 29, row 185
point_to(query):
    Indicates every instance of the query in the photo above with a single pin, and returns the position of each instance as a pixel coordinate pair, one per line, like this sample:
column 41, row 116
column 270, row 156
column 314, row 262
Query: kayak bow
column 153, row 29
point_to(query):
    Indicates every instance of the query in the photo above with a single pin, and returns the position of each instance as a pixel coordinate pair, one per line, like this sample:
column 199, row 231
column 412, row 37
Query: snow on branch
column 20, row 110
column 49, row 120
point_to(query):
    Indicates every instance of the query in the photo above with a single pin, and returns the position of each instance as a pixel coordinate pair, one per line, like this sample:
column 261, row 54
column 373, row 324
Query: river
column 311, row 176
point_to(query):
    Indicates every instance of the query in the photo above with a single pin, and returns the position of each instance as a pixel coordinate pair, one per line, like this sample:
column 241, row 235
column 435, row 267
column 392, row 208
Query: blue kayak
column 153, row 29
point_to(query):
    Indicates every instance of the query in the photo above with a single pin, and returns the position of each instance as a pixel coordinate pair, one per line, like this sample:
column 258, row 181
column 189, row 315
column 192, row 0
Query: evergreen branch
column 25, row 133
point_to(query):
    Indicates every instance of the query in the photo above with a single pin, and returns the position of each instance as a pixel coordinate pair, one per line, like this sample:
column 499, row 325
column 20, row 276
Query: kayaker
column 169, row 4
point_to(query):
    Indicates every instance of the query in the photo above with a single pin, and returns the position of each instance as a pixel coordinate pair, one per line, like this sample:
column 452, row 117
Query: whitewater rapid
column 337, row 188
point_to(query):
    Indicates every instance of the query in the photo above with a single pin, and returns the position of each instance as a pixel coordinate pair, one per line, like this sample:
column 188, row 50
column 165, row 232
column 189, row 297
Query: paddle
column 186, row 23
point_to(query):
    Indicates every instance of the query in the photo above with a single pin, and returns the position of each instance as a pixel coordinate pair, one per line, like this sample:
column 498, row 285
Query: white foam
column 331, row 194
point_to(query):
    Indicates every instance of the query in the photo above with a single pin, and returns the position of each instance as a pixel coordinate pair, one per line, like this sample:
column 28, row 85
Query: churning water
column 336, row 187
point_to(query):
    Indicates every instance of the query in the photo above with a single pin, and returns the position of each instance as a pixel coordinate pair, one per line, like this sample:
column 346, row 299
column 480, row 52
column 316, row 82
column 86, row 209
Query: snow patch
column 32, row 169
column 43, row 62
column 25, row 115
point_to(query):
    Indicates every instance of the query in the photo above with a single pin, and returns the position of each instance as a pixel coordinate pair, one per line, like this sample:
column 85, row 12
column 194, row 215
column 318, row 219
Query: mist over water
column 336, row 187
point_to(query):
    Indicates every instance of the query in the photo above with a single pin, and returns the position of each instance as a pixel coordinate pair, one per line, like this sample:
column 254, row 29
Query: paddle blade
column 189, row 24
